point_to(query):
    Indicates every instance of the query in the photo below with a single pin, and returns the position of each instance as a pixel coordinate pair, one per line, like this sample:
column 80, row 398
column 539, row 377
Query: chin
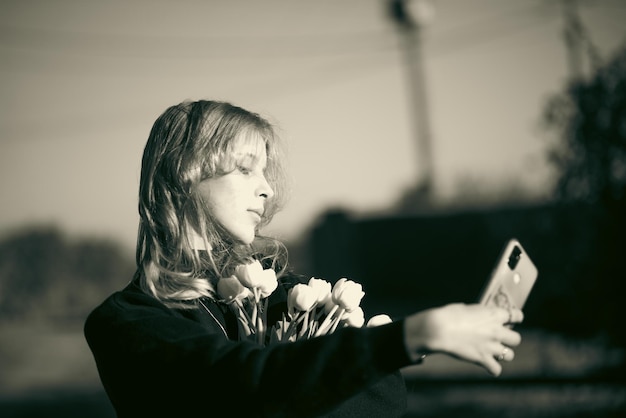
column 245, row 239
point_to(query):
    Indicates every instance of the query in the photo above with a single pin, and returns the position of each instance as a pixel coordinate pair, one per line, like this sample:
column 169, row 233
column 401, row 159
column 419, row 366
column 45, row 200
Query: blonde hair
column 188, row 143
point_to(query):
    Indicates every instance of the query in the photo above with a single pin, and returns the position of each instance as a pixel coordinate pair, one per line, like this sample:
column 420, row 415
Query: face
column 236, row 200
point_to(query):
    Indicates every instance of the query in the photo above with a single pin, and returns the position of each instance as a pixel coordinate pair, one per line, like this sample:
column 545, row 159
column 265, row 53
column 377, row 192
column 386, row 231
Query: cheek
column 216, row 195
column 225, row 200
column 223, row 206
column 217, row 208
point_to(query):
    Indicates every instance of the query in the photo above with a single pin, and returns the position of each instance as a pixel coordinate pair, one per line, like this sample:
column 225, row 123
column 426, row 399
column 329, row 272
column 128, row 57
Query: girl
column 166, row 345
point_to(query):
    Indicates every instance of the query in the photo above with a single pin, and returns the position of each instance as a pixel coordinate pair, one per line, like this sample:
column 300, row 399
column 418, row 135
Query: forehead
column 249, row 145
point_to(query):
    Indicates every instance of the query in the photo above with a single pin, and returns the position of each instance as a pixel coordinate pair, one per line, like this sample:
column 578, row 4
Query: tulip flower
column 301, row 298
column 355, row 318
column 378, row 320
column 347, row 294
column 251, row 285
column 267, row 282
column 322, row 288
column 250, row 275
column 230, row 289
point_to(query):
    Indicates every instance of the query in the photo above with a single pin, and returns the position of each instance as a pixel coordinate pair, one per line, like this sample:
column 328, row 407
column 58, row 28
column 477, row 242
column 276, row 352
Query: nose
column 265, row 190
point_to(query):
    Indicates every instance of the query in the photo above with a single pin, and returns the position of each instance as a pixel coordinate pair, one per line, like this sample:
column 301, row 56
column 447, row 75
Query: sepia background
column 420, row 136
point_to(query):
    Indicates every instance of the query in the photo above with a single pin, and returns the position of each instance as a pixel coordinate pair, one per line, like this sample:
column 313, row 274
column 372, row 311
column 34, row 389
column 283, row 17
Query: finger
column 492, row 365
column 502, row 315
column 509, row 337
column 505, row 354
column 513, row 316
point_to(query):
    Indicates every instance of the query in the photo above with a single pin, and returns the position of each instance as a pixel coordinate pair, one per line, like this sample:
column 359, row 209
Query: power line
column 349, row 67
column 386, row 46
column 221, row 47
column 493, row 29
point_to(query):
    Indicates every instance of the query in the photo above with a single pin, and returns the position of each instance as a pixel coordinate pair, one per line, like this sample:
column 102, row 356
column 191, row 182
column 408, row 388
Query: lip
column 258, row 212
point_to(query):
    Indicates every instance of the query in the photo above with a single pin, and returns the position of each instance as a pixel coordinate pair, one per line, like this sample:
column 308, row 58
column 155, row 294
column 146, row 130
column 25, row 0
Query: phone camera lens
column 514, row 257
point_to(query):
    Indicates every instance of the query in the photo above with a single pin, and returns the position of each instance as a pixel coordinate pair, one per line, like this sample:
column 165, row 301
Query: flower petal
column 229, row 288
column 249, row 274
column 378, row 320
column 347, row 294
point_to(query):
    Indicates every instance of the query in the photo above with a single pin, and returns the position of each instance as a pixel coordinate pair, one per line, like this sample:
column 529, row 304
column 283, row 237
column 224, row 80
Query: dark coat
column 155, row 361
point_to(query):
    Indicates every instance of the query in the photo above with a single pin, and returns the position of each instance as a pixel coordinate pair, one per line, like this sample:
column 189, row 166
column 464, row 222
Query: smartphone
column 512, row 278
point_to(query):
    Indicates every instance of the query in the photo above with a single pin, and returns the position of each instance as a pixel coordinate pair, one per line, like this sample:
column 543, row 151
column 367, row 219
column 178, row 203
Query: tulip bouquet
column 313, row 309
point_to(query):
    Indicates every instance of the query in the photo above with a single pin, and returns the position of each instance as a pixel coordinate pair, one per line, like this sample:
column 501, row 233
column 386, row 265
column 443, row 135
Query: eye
column 244, row 170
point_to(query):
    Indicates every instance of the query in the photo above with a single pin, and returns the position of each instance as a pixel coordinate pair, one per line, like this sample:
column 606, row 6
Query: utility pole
column 411, row 16
column 573, row 36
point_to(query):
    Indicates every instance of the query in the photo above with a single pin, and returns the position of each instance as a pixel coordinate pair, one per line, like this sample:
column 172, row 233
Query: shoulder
column 127, row 301
column 126, row 306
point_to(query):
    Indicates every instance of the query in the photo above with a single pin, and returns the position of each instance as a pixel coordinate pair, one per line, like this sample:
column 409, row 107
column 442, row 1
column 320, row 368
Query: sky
column 83, row 81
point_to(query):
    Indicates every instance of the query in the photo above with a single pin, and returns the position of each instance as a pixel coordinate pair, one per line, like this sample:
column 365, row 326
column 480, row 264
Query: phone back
column 512, row 278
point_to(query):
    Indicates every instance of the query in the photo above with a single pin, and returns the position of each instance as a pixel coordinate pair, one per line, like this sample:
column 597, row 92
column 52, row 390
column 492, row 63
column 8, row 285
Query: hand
column 475, row 333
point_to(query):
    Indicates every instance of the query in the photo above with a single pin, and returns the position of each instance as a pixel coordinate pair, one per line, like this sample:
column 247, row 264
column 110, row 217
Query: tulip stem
column 305, row 324
column 260, row 331
column 324, row 327
column 337, row 320
column 312, row 328
column 243, row 326
column 255, row 305
column 293, row 325
column 244, row 316
column 264, row 316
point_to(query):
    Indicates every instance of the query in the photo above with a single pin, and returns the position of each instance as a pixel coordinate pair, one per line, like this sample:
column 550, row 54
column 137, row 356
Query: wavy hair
column 188, row 143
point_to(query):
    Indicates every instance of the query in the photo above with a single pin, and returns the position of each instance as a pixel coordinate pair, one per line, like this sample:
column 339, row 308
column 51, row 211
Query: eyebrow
column 250, row 157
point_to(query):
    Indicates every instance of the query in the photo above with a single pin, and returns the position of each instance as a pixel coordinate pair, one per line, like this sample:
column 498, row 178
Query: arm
column 474, row 333
column 145, row 351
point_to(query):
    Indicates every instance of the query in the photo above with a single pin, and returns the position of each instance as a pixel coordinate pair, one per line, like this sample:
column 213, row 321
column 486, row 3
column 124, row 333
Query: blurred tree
column 45, row 276
column 29, row 262
column 589, row 119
